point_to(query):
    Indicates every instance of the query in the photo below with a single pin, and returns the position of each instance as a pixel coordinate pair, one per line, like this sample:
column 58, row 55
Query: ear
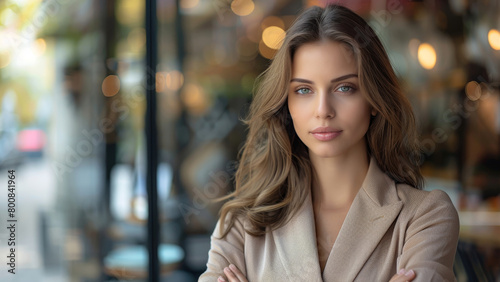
column 374, row 112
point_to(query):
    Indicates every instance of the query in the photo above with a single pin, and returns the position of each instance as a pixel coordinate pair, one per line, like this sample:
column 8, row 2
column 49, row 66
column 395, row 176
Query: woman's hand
column 233, row 274
column 403, row 275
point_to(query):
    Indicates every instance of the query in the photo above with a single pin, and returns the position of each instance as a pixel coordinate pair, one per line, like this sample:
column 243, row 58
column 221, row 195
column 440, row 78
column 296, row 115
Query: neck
column 337, row 180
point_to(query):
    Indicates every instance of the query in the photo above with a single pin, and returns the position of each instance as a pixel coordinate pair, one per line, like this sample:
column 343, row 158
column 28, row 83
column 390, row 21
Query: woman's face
column 329, row 111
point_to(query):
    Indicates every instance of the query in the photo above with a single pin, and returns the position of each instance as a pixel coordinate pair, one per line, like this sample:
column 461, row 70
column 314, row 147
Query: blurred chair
column 131, row 262
column 470, row 264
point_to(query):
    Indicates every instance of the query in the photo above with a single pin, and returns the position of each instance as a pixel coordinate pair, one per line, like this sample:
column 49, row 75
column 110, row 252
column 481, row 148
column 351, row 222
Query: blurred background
column 72, row 123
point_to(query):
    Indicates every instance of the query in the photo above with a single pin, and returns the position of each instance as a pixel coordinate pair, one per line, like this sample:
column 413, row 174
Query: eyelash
column 352, row 89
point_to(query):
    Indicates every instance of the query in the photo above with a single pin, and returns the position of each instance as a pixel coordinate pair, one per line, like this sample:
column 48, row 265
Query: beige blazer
column 389, row 226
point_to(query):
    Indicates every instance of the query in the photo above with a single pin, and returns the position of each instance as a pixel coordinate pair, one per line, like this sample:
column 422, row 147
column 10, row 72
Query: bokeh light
column 189, row 4
column 174, row 80
column 110, row 85
column 426, row 56
column 473, row 90
column 273, row 37
column 494, row 39
column 242, row 7
column 31, row 140
column 130, row 12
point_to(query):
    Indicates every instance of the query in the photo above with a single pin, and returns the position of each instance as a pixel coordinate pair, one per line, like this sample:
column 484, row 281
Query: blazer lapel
column 296, row 246
column 372, row 212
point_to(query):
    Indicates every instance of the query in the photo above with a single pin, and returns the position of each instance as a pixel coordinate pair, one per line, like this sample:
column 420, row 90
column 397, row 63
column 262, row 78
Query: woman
column 328, row 185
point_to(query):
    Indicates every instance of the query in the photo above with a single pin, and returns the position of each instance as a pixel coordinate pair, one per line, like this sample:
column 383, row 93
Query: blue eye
column 345, row 88
column 303, row 91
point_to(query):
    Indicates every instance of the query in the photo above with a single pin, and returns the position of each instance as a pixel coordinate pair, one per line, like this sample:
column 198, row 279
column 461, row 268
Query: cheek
column 358, row 115
column 295, row 109
column 299, row 115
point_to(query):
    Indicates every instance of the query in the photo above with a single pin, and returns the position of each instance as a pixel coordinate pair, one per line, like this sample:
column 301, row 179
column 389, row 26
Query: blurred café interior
column 74, row 123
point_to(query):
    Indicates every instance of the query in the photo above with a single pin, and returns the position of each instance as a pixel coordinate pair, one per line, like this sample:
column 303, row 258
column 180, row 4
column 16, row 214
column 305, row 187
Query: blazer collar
column 372, row 212
column 296, row 245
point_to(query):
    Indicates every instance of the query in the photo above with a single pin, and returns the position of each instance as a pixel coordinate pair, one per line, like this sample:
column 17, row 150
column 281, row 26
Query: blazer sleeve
column 431, row 239
column 225, row 251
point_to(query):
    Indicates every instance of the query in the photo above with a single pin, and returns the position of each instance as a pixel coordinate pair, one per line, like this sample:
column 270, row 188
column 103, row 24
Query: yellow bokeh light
column 426, row 56
column 189, row 4
column 110, row 85
column 130, row 12
column 494, row 39
column 174, row 80
column 4, row 59
column 273, row 37
column 242, row 7
column 272, row 21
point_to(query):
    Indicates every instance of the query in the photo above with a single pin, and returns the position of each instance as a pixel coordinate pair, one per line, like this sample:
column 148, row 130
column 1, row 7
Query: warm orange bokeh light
column 174, row 80
column 473, row 90
column 426, row 56
column 110, row 85
column 242, row 7
column 273, row 37
column 494, row 39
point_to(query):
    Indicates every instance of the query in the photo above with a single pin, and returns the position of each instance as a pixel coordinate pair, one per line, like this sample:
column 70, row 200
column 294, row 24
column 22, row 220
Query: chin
column 329, row 153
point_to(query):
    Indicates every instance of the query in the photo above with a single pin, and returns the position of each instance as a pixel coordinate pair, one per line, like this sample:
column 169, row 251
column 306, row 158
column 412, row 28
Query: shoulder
column 429, row 228
column 418, row 203
column 409, row 194
column 237, row 229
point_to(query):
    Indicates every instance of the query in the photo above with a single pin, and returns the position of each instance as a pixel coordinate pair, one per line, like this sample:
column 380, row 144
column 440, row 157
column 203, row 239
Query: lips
column 325, row 133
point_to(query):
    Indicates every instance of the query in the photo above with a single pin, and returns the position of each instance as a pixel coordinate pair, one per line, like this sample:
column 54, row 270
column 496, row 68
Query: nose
column 324, row 105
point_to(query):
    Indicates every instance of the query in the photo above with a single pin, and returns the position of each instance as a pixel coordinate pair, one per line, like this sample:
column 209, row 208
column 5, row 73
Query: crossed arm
column 222, row 261
column 428, row 252
column 233, row 274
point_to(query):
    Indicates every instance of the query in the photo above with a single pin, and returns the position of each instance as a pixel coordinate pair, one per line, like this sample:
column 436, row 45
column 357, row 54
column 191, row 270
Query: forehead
column 326, row 57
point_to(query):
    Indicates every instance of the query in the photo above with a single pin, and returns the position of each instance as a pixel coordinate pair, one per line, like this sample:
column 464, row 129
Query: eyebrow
column 340, row 78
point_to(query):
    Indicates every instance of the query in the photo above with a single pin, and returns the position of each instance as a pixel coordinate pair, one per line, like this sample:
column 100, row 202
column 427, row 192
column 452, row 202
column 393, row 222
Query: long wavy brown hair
column 274, row 172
